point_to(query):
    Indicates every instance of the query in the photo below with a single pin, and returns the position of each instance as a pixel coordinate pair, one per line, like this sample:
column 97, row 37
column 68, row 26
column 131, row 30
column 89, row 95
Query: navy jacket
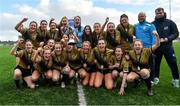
column 166, row 29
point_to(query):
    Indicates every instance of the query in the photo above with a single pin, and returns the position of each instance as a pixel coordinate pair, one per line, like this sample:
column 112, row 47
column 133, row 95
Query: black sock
column 65, row 78
column 148, row 83
column 37, row 82
column 24, row 82
column 17, row 83
column 137, row 83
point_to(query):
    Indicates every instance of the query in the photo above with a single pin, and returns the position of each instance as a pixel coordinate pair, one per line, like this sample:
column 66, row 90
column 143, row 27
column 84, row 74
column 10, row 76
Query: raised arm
column 157, row 44
column 13, row 50
column 35, row 57
column 51, row 20
column 103, row 26
column 19, row 26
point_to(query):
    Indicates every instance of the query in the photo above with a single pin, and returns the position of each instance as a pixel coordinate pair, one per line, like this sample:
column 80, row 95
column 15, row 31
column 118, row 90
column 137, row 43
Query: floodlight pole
column 169, row 9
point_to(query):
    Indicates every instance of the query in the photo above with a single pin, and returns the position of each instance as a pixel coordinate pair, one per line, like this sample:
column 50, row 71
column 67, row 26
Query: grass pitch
column 165, row 93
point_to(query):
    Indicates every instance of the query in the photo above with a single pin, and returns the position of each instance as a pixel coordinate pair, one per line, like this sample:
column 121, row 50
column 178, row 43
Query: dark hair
column 85, row 29
column 33, row 22
column 43, row 21
column 111, row 23
column 77, row 17
column 123, row 15
column 159, row 9
column 102, row 39
column 118, row 46
column 28, row 40
column 97, row 24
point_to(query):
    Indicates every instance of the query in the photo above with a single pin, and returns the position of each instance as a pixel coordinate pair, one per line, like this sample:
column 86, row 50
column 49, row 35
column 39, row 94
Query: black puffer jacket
column 166, row 29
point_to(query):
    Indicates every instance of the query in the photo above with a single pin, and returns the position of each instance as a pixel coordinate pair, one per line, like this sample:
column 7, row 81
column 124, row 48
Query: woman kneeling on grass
column 73, row 63
column 25, row 66
column 140, row 66
column 120, row 67
column 102, row 56
column 43, row 65
column 59, row 62
column 87, row 72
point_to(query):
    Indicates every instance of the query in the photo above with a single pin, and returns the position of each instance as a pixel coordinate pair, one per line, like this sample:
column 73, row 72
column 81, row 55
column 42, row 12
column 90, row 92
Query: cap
column 71, row 42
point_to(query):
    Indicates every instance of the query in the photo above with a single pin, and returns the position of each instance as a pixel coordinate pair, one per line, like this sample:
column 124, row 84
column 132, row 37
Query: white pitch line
column 82, row 100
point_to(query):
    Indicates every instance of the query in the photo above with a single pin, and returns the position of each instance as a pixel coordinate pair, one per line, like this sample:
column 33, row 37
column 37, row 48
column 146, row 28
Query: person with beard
column 87, row 72
column 120, row 67
column 59, row 62
column 112, row 36
column 25, row 66
column 43, row 65
column 168, row 32
column 87, row 35
column 145, row 31
column 98, row 31
column 127, row 32
column 103, row 73
column 140, row 63
column 29, row 33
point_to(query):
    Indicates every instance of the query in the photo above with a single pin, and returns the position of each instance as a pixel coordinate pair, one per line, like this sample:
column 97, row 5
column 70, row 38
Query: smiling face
column 51, row 43
column 141, row 17
column 53, row 26
column 43, row 25
column 65, row 37
column 111, row 27
column 47, row 54
column 118, row 52
column 70, row 48
column 124, row 21
column 87, row 30
column 32, row 26
column 86, row 47
column 138, row 46
column 97, row 27
column 77, row 21
column 29, row 46
column 64, row 21
column 58, row 48
column 101, row 45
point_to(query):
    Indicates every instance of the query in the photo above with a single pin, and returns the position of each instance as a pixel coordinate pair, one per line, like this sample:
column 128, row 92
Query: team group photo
column 63, row 61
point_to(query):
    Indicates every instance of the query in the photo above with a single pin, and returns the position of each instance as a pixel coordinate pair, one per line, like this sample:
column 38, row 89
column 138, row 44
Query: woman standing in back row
column 127, row 32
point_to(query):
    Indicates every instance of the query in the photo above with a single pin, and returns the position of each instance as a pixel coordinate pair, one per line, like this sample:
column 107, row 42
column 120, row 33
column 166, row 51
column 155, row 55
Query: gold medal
column 138, row 68
column 28, row 66
column 84, row 65
column 102, row 66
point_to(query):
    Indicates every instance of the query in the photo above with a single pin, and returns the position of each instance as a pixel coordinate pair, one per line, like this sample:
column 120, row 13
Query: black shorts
column 104, row 71
column 18, row 49
column 75, row 69
column 25, row 72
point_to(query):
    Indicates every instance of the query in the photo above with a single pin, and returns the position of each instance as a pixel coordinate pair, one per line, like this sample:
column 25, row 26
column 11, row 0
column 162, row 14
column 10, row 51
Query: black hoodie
column 166, row 29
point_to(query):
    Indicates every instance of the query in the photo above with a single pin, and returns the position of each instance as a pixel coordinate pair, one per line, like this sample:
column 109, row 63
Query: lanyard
column 57, row 58
column 137, row 56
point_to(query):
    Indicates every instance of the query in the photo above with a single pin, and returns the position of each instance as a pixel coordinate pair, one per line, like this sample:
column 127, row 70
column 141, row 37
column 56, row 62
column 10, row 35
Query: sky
column 91, row 11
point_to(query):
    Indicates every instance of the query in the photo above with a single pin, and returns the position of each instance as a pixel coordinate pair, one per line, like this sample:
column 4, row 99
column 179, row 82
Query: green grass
column 165, row 94
column 42, row 96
